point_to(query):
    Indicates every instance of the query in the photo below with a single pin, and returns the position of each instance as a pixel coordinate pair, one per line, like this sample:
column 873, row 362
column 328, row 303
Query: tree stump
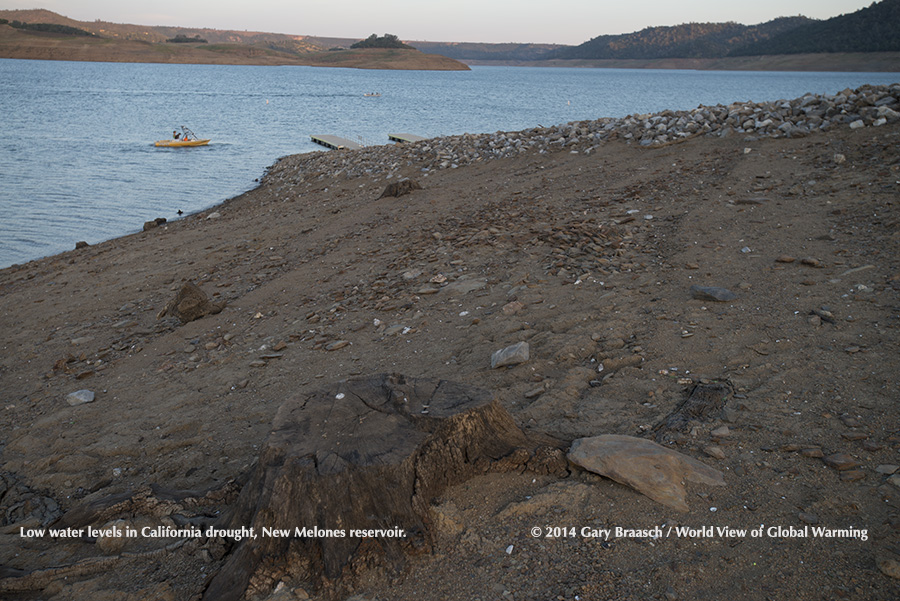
column 364, row 454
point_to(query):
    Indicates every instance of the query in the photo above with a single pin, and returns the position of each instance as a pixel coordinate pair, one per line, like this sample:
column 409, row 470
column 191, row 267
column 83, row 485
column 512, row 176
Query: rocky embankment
column 867, row 106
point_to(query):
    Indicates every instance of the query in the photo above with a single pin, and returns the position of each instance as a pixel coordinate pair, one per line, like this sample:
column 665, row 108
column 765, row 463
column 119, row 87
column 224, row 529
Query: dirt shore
column 588, row 258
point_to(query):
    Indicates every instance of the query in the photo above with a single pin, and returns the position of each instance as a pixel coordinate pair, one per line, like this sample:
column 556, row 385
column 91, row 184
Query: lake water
column 77, row 160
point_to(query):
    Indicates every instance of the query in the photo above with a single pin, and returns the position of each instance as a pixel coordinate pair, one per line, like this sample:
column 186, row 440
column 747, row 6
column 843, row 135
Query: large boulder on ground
column 649, row 468
column 189, row 304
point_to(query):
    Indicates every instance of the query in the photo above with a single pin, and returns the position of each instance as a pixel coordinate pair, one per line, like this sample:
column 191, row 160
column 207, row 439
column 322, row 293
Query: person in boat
column 176, row 135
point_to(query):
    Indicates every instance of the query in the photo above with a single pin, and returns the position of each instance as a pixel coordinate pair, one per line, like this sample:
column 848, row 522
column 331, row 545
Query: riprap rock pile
column 867, row 106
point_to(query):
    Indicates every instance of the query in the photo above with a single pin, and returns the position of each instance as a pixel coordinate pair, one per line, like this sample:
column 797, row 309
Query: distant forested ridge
column 872, row 29
column 386, row 41
column 690, row 40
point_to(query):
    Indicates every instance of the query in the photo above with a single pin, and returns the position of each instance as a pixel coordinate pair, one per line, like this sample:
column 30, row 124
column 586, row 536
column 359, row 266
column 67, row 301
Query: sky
column 537, row 21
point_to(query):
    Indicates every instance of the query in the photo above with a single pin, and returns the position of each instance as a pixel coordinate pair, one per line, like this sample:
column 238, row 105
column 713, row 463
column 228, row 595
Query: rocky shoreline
column 867, row 106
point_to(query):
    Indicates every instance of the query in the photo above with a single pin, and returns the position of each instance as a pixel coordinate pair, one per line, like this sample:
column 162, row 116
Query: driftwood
column 365, row 454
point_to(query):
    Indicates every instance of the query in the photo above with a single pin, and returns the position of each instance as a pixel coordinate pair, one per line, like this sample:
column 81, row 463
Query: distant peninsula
column 45, row 35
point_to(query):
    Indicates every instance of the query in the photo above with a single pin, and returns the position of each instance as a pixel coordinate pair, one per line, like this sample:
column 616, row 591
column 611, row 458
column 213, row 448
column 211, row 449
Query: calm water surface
column 77, row 160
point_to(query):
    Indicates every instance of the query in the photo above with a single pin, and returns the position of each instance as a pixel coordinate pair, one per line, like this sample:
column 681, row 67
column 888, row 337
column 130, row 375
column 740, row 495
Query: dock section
column 402, row 138
column 336, row 143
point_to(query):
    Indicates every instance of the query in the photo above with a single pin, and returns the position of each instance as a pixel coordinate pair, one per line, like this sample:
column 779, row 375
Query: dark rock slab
column 712, row 293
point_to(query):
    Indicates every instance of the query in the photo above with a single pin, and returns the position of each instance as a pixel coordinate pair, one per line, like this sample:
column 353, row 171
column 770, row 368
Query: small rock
column 852, row 475
column 714, row 451
column 80, row 397
column 511, row 355
column 839, row 158
column 785, row 259
column 889, row 567
column 512, row 308
column 214, row 215
column 840, row 461
column 811, row 262
column 712, row 293
column 859, row 123
column 149, row 225
column 887, row 468
column 721, row 432
column 81, row 244
column 812, row 453
column 337, row 344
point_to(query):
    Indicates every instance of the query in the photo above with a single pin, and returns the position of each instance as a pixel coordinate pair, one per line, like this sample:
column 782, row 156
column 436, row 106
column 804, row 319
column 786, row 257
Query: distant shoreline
column 863, row 62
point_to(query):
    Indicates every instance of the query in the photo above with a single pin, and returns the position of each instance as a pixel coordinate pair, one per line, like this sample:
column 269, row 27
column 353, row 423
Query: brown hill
column 145, row 44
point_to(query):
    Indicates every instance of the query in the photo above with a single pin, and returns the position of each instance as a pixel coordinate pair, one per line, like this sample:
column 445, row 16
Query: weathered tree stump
column 364, row 454
column 706, row 402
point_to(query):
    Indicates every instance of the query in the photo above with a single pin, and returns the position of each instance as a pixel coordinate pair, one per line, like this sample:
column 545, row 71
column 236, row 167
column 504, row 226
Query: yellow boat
column 185, row 139
column 181, row 143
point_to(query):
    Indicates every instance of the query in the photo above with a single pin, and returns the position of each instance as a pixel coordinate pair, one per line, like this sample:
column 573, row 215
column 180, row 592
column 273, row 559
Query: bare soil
column 590, row 259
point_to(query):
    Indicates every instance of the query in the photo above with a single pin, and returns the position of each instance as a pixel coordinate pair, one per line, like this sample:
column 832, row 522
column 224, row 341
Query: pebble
column 512, row 308
column 811, row 262
column 337, row 344
column 889, row 567
column 721, row 432
column 808, row 518
column 80, row 397
column 714, row 451
column 785, row 259
column 887, row 468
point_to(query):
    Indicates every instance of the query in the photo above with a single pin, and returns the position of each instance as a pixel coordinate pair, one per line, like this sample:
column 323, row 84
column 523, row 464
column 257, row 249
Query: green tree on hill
column 386, row 41
column 183, row 39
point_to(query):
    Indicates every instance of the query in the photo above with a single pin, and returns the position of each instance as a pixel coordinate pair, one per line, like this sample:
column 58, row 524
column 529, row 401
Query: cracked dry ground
column 589, row 259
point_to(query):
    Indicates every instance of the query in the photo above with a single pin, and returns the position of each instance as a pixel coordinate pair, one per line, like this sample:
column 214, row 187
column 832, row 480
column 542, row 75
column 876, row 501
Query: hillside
column 690, row 40
column 144, row 44
column 872, row 29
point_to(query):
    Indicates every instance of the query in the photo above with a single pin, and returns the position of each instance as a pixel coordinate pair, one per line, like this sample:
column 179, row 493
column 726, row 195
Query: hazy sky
column 547, row 21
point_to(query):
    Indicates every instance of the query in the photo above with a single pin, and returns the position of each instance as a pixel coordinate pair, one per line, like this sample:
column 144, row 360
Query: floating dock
column 336, row 143
column 401, row 138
